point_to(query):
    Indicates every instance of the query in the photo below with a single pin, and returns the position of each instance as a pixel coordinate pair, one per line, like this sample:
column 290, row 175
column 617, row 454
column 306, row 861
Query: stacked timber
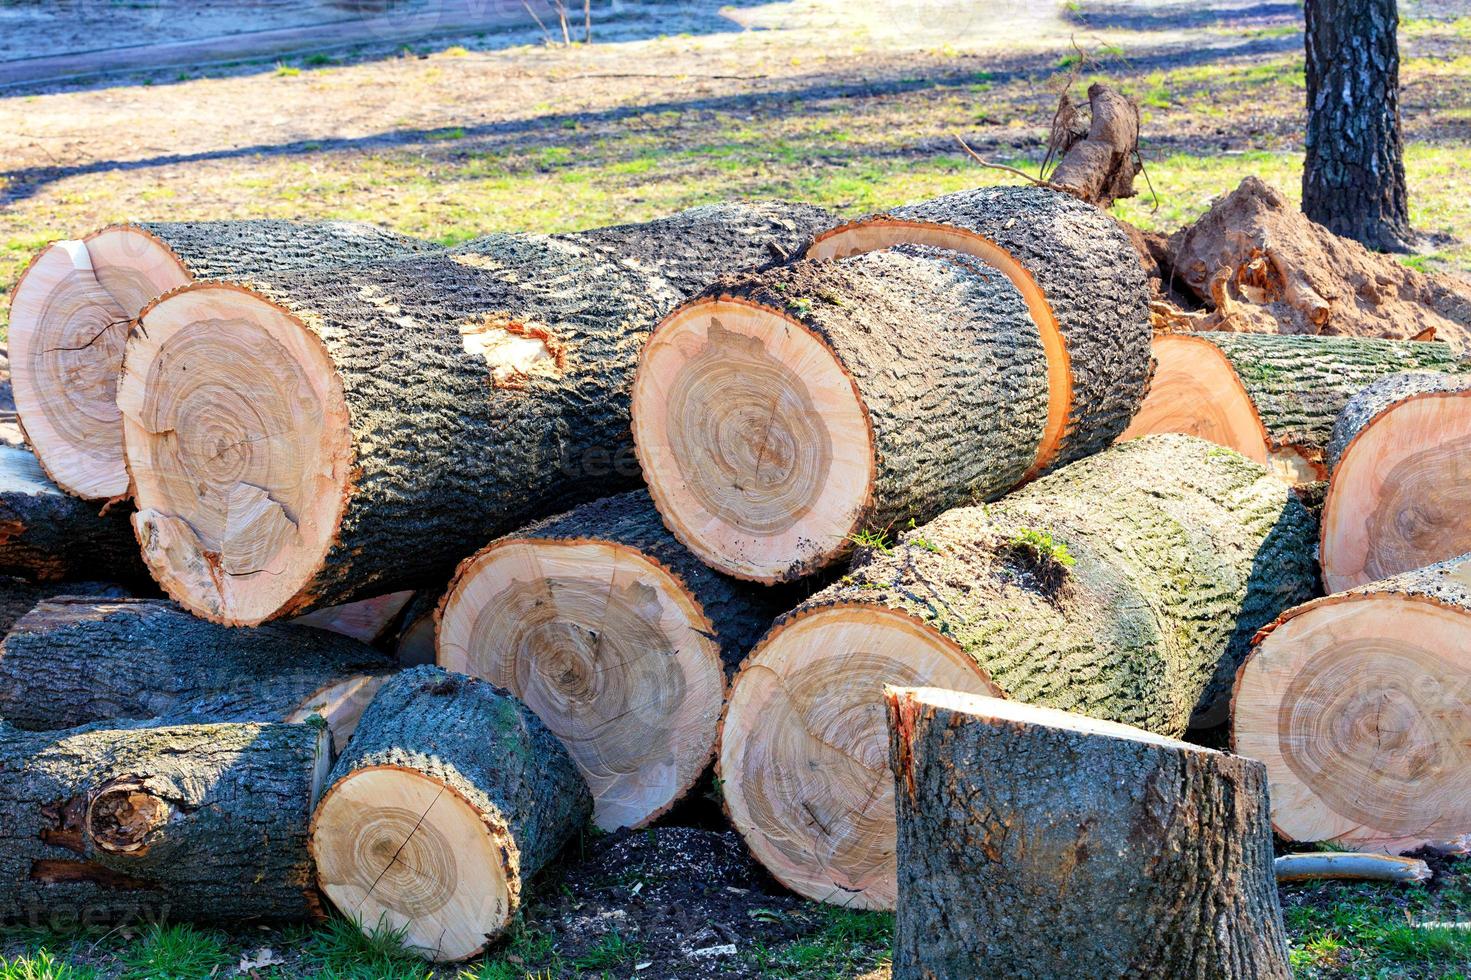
column 1273, row 398
column 1125, row 587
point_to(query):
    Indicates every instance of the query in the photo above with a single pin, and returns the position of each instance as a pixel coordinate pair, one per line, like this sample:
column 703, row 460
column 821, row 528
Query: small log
column 1271, row 398
column 1398, row 495
column 1351, row 867
column 781, row 414
column 1038, row 843
column 1357, row 704
column 448, row 799
column 49, row 536
column 75, row 660
column 1080, row 275
column 618, row 639
column 73, row 307
column 1125, row 586
column 103, row 825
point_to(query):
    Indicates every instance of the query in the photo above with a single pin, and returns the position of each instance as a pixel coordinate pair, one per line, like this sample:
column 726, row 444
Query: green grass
column 43, row 965
column 179, row 952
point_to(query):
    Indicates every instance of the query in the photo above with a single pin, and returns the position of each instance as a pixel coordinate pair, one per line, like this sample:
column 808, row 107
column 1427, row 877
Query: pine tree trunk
column 781, row 414
column 1037, row 843
column 74, row 661
column 617, row 638
column 1354, row 176
column 103, row 825
column 450, row 797
column 1126, row 587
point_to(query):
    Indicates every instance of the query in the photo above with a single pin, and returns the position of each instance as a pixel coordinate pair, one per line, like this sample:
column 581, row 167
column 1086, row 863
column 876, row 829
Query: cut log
column 450, row 796
column 75, row 660
column 48, row 536
column 1351, row 867
column 1126, row 586
column 1271, row 398
column 120, row 824
column 1038, row 843
column 367, row 620
column 1080, row 275
column 413, row 643
column 73, row 307
column 18, row 597
column 617, row 637
column 1399, row 492
column 1358, row 705
column 781, row 414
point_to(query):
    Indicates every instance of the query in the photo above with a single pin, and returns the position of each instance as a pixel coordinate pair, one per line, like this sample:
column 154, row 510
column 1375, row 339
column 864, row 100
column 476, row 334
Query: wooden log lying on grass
column 1125, row 586
column 1398, row 496
column 48, row 536
column 106, row 824
column 1358, row 704
column 1038, row 843
column 616, row 637
column 1080, row 275
column 1273, row 398
column 781, row 414
column 1342, row 866
column 450, row 796
column 74, row 305
column 73, row 661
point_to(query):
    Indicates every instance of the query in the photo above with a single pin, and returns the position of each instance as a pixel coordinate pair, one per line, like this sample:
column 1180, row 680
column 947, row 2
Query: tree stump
column 1038, row 843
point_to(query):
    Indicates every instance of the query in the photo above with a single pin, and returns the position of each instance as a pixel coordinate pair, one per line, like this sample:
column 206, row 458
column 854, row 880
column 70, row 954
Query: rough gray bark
column 104, row 825
column 73, row 661
column 1353, row 179
column 48, row 536
column 18, row 597
column 1090, row 275
column 1036, row 844
column 1371, row 402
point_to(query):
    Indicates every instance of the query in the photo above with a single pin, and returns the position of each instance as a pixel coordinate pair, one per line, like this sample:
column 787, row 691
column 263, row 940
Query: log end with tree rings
column 237, row 439
column 609, row 648
column 803, row 754
column 757, row 445
column 1359, row 706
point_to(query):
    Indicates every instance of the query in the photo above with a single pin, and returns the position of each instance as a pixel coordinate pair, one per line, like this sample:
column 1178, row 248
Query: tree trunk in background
column 1354, row 177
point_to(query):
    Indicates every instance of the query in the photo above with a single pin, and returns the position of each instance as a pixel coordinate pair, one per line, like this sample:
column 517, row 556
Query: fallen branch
column 1350, row 867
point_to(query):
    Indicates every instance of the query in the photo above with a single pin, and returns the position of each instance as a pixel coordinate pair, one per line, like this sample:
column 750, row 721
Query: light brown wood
column 236, row 438
column 1401, row 492
column 134, row 267
column 804, row 746
column 608, row 649
column 751, row 492
column 1196, row 392
column 366, row 620
column 341, row 705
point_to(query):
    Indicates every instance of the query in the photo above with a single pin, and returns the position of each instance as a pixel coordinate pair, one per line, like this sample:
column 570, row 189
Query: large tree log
column 1083, row 284
column 48, row 536
column 116, row 824
column 18, row 597
column 1038, row 843
column 449, row 797
column 1358, row 705
column 617, row 637
column 1398, row 496
column 73, row 306
column 1176, row 552
column 1271, row 398
column 781, row 414
column 73, row 661
column 372, row 620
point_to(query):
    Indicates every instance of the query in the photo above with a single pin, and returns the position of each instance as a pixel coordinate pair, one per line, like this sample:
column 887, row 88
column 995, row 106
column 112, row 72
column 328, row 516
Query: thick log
column 1038, row 843
column 18, row 597
column 448, row 799
column 73, row 307
column 75, row 660
column 1085, row 290
column 616, row 637
column 197, row 822
column 1358, row 705
column 1126, row 587
column 779, row 415
column 1398, row 494
column 49, row 536
column 1272, row 398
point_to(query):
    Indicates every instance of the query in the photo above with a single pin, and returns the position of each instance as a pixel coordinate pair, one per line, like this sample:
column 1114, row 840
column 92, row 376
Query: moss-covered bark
column 1372, row 401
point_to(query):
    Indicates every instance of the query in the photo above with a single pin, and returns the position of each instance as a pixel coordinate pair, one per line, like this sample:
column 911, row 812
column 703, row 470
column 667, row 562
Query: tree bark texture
column 1373, row 400
column 18, row 597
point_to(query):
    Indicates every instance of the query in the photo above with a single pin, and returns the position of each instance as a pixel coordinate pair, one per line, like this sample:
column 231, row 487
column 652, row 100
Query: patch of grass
column 877, row 540
column 346, row 951
column 454, row 133
column 284, row 70
column 43, row 965
column 848, row 942
column 613, row 951
column 317, row 60
column 179, row 952
column 1042, row 546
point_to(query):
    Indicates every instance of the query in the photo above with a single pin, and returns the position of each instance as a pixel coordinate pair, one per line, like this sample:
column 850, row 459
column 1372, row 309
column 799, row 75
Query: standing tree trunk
column 1353, row 180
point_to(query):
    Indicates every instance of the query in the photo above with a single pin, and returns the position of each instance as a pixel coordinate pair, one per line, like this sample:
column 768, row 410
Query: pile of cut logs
column 699, row 491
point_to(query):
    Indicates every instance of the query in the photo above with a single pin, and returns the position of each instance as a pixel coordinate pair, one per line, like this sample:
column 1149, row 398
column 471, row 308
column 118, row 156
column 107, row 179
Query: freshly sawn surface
column 1126, row 587
column 616, row 637
column 449, row 797
column 1039, row 843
